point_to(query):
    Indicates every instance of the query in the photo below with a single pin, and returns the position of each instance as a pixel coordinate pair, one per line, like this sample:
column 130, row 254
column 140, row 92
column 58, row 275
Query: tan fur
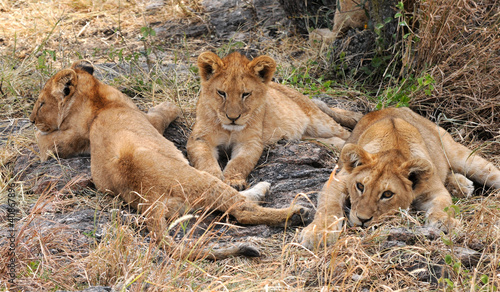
column 349, row 14
column 262, row 113
column 129, row 156
column 394, row 159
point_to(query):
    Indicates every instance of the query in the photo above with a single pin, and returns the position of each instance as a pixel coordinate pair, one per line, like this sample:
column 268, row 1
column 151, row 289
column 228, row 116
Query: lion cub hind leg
column 346, row 118
column 335, row 142
column 162, row 115
column 458, row 185
column 323, row 126
column 208, row 191
column 253, row 214
column 464, row 161
column 257, row 193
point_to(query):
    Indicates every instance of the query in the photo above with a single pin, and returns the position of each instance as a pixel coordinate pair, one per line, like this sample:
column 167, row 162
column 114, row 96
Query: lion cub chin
column 241, row 110
column 396, row 158
column 76, row 113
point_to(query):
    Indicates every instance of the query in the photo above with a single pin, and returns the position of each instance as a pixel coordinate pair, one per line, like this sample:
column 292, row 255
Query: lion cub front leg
column 328, row 221
column 62, row 143
column 204, row 155
column 244, row 157
column 434, row 202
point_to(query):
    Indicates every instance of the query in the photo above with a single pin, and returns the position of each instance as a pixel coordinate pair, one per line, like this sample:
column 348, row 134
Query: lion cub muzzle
column 233, row 120
column 360, row 221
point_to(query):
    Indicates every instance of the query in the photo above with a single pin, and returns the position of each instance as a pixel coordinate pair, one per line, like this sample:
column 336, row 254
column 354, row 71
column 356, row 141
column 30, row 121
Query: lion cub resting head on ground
column 75, row 112
column 394, row 159
column 240, row 110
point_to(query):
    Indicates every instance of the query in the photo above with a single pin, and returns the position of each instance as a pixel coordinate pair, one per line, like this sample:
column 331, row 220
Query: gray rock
column 12, row 127
column 228, row 17
column 180, row 29
column 60, row 175
column 410, row 237
column 308, row 15
column 154, row 4
column 468, row 257
column 291, row 167
column 352, row 52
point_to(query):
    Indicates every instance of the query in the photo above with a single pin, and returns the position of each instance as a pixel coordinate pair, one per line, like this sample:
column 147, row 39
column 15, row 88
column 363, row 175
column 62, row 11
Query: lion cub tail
column 214, row 253
column 238, row 249
column 345, row 118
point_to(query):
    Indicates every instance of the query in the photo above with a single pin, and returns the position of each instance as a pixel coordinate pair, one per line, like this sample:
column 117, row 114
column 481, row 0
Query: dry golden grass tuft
column 459, row 45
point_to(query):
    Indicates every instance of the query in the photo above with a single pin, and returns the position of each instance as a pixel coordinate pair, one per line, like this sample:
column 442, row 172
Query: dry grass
column 459, row 46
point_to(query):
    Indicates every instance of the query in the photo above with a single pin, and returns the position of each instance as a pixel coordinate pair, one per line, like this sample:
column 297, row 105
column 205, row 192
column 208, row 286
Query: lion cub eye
column 221, row 93
column 41, row 104
column 387, row 195
column 360, row 187
column 245, row 95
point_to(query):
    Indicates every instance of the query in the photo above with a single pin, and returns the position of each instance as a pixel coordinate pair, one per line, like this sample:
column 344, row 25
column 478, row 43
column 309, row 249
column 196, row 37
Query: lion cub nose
column 364, row 220
column 233, row 119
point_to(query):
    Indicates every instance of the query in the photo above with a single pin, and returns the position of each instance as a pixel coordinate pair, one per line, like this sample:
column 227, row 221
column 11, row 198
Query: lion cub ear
column 83, row 65
column 209, row 63
column 353, row 156
column 263, row 67
column 64, row 84
column 417, row 170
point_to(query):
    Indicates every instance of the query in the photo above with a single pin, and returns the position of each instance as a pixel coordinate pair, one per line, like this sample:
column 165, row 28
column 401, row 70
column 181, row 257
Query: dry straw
column 460, row 46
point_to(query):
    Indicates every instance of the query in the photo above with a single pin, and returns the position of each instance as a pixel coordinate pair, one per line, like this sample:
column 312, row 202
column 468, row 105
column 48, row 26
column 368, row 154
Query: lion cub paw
column 257, row 193
column 166, row 108
column 459, row 186
column 443, row 222
column 300, row 216
column 314, row 236
column 237, row 183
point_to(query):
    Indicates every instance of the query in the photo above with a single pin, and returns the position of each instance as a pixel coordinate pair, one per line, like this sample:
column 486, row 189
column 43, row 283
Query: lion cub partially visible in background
column 76, row 113
column 348, row 14
column 396, row 158
column 241, row 110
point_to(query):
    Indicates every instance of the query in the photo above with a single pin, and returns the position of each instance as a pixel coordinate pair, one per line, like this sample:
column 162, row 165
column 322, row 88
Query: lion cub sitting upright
column 76, row 112
column 241, row 110
column 396, row 158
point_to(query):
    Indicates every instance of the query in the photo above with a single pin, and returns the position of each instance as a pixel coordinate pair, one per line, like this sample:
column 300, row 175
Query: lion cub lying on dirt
column 241, row 110
column 393, row 159
column 76, row 112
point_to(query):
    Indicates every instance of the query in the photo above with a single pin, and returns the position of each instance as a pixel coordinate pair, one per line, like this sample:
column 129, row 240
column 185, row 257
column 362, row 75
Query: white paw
column 460, row 186
column 258, row 192
column 313, row 237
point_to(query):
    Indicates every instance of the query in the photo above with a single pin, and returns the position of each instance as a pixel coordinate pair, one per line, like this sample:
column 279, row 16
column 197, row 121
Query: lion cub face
column 234, row 87
column 381, row 183
column 49, row 109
